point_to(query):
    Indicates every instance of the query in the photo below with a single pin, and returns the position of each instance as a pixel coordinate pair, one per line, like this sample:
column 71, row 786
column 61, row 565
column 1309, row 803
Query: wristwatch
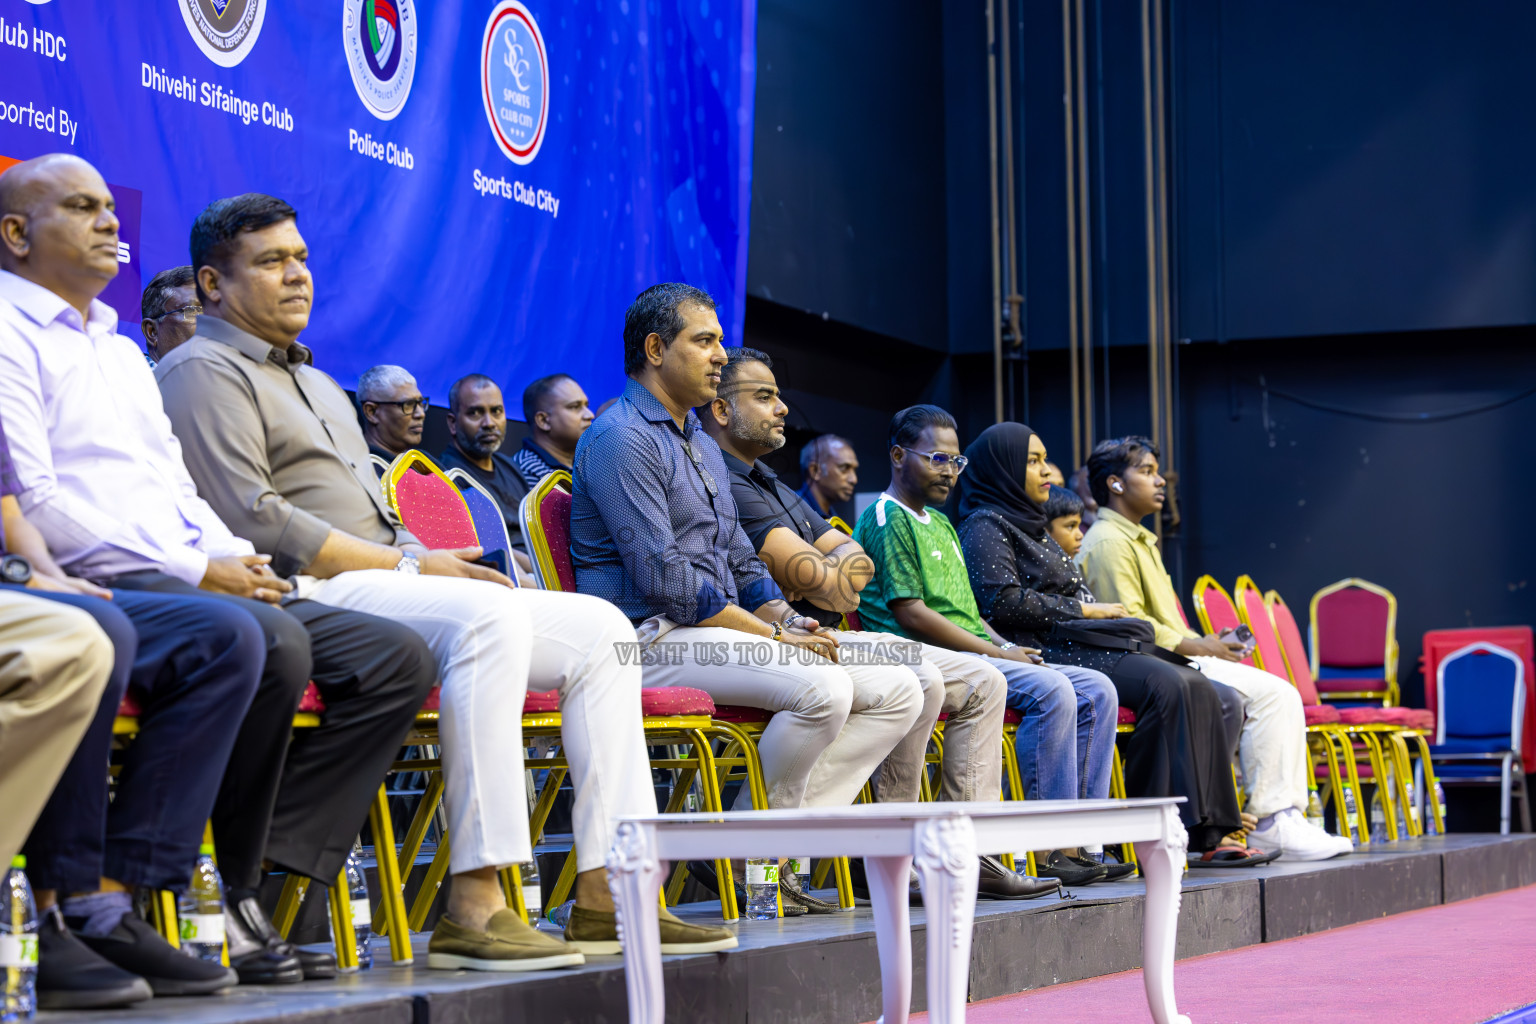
column 1007, row 645
column 408, row 563
column 15, row 569
column 778, row 630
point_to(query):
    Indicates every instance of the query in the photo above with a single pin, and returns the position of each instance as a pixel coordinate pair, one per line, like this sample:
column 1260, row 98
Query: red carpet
column 1462, row 963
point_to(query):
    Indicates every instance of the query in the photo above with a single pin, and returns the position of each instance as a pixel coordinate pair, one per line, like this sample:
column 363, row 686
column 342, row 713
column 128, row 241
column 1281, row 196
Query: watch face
column 15, row 569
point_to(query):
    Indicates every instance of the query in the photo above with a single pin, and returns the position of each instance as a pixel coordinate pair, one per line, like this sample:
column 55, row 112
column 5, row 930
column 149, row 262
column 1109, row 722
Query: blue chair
column 490, row 527
column 1481, row 709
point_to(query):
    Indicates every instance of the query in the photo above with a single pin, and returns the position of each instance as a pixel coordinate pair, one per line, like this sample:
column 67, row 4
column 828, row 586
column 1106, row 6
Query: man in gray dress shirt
column 275, row 448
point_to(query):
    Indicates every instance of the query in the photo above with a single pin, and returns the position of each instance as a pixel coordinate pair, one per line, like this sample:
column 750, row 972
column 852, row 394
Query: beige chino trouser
column 832, row 726
column 54, row 664
column 975, row 696
column 1273, row 749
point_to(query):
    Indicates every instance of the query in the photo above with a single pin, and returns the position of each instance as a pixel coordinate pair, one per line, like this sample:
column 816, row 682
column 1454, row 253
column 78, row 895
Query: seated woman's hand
column 1114, row 610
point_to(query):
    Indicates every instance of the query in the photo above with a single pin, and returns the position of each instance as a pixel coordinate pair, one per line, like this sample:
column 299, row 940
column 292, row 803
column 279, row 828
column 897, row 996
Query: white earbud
column 1117, row 487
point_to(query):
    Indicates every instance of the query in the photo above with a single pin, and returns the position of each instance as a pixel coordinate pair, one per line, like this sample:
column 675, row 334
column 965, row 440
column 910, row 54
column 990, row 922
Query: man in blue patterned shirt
column 654, row 529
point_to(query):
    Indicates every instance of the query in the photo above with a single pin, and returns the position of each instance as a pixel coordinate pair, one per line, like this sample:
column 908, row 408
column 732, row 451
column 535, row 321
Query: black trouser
column 301, row 803
column 195, row 665
column 1182, row 745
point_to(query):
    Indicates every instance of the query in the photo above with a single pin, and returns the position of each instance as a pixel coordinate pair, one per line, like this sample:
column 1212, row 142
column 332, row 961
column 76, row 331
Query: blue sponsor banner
column 484, row 185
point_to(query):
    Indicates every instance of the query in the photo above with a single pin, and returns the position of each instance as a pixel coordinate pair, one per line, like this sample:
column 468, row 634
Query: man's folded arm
column 223, row 444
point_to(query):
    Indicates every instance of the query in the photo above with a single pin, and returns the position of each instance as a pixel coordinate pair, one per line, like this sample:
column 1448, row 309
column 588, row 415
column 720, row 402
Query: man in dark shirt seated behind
column 477, row 422
column 821, row 572
column 394, row 410
column 557, row 413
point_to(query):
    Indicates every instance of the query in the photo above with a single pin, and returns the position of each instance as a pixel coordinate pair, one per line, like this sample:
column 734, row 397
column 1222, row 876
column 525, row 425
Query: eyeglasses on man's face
column 938, row 460
column 186, row 314
column 410, row 405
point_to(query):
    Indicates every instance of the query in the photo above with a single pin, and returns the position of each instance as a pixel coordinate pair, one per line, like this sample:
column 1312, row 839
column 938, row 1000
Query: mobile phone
column 1240, row 634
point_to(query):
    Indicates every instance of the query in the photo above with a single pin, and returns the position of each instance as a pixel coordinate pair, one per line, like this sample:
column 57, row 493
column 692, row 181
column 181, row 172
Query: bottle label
column 203, row 929
column 762, row 872
column 362, row 913
column 18, row 951
column 798, row 865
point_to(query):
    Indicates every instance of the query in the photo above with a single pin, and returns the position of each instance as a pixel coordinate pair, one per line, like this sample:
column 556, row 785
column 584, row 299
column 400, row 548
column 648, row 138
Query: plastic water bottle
column 1314, row 809
column 200, row 910
column 1410, row 811
column 1351, row 813
column 762, row 889
column 558, row 916
column 1429, row 816
column 533, row 896
column 362, row 911
column 800, row 867
column 1378, row 816
column 18, row 945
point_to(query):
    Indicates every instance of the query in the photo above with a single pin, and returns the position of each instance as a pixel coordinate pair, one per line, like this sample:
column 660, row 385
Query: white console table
column 941, row 841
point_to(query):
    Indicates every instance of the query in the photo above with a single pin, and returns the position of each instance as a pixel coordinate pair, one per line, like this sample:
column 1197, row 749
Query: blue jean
column 1056, row 761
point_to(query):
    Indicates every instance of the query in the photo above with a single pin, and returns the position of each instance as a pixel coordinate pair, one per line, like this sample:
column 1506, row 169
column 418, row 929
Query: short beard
column 760, row 434
column 472, row 446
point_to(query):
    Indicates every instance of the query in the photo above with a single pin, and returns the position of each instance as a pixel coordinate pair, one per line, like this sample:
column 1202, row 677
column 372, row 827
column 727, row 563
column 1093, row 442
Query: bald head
column 58, row 228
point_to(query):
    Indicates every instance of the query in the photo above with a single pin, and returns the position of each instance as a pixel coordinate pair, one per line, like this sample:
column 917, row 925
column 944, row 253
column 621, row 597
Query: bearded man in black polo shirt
column 821, row 572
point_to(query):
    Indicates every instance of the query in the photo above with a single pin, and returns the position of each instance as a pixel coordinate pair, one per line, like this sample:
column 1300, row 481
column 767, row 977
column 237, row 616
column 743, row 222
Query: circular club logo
column 225, row 30
column 514, row 81
column 380, row 39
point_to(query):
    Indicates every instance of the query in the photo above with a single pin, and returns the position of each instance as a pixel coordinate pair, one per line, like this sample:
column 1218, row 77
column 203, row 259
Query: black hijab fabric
column 995, row 478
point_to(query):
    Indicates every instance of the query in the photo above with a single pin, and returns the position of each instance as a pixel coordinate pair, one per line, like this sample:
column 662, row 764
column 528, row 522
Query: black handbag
column 1133, row 636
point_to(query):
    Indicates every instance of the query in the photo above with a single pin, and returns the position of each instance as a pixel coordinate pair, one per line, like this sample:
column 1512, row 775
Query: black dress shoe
column 996, row 882
column 1115, row 870
column 138, row 949
column 257, row 951
column 1072, row 872
column 71, row 977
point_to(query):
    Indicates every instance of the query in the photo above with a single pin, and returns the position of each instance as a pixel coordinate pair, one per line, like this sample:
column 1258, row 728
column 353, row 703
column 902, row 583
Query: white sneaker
column 1297, row 839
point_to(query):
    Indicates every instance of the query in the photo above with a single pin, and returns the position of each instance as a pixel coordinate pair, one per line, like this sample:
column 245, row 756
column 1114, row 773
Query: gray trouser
column 974, row 695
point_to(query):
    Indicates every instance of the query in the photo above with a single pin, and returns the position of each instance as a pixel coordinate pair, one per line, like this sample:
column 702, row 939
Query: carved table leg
column 1162, row 864
column 893, row 933
column 634, row 879
column 947, row 868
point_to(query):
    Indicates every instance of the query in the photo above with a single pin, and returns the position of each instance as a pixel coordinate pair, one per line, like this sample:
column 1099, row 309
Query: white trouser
column 975, row 695
column 493, row 644
column 832, row 724
column 1274, row 743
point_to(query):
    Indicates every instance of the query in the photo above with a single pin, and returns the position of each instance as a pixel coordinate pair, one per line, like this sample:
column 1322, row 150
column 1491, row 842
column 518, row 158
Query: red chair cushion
column 1403, row 718
column 1221, row 612
column 541, row 703
column 1266, row 638
column 1321, row 714
column 675, row 700
column 312, row 702
column 434, row 511
column 1362, row 769
column 741, row 714
column 434, row 698
column 1295, row 652
column 1012, row 717
column 555, row 516
column 130, row 707
column 1127, row 717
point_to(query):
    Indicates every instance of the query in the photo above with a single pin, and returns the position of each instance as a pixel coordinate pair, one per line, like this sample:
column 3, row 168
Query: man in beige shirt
column 274, row 446
column 1121, row 562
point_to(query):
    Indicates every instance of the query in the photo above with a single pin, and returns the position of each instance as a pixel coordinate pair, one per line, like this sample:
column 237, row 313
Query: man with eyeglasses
column 922, row 590
column 394, row 410
column 170, row 307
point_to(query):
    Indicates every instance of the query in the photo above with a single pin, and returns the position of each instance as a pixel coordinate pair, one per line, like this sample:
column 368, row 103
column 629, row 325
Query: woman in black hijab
column 1025, row 584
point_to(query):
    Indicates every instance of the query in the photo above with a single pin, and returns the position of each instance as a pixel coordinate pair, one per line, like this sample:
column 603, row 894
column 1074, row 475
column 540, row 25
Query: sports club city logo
column 225, row 30
column 514, row 81
column 380, row 39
